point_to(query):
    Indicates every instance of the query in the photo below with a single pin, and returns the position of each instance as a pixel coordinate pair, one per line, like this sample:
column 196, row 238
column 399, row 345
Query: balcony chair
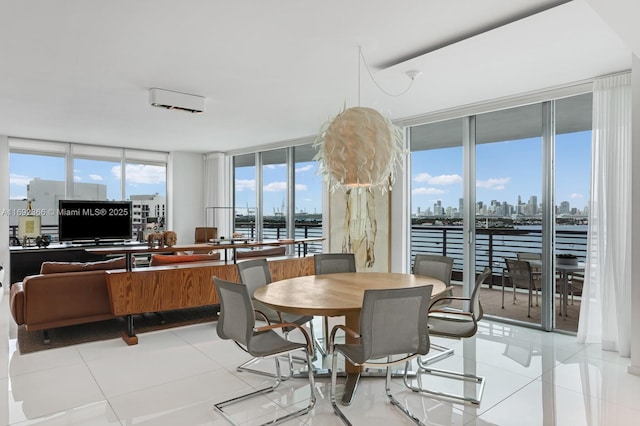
column 332, row 263
column 457, row 324
column 536, row 271
column 521, row 275
column 576, row 282
column 406, row 336
column 255, row 274
column 237, row 322
column 439, row 267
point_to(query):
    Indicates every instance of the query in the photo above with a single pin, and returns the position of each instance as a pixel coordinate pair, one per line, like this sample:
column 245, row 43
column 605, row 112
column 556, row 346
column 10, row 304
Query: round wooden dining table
column 338, row 294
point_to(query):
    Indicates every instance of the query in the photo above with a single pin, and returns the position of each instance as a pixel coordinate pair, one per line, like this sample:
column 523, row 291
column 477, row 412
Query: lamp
column 359, row 147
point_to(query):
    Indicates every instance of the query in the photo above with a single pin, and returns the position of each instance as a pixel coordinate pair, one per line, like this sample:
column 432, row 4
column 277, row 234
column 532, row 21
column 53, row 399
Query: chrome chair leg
column 245, row 367
column 444, row 352
column 387, row 385
column 219, row 407
column 479, row 380
column 393, row 400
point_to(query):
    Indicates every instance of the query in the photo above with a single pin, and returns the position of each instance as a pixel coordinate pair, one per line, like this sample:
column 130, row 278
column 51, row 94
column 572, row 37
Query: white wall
column 622, row 17
column 634, row 366
column 185, row 202
column 400, row 223
column 4, row 204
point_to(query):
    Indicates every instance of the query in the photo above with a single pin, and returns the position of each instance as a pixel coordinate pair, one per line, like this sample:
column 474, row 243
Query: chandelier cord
column 364, row 61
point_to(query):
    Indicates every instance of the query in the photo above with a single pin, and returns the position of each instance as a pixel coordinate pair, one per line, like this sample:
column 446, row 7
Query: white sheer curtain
column 605, row 314
column 217, row 193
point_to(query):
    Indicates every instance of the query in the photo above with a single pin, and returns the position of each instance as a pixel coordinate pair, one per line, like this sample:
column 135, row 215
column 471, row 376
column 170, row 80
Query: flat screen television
column 95, row 221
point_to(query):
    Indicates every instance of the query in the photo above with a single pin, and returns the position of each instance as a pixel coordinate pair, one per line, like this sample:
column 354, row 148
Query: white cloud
column 438, row 180
column 422, row 177
column 306, row 168
column 248, row 184
column 576, row 195
column 141, row 173
column 77, row 178
column 19, row 180
column 493, row 183
column 427, row 191
column 445, row 180
column 282, row 186
column 275, row 187
column 97, row 177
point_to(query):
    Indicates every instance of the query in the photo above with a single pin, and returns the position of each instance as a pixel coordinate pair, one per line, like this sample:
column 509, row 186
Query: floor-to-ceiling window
column 572, row 189
column 273, row 187
column 508, row 180
column 530, row 167
column 146, row 188
column 307, row 196
column 244, row 194
column 274, row 194
column 35, row 179
column 44, row 172
column 437, row 191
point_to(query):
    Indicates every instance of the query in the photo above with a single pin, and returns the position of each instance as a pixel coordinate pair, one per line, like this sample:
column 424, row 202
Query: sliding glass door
column 527, row 176
column 437, row 192
column 509, row 220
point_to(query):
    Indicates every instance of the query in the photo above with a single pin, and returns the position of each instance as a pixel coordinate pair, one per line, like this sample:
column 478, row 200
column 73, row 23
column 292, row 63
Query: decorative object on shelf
column 43, row 240
column 170, row 238
column 566, row 259
column 29, row 226
column 155, row 238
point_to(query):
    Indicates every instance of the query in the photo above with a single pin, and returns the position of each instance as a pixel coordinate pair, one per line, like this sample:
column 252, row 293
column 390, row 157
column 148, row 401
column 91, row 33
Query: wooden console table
column 183, row 285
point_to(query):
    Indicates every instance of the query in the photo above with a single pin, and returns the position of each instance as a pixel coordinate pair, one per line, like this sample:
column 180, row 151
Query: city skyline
column 504, row 171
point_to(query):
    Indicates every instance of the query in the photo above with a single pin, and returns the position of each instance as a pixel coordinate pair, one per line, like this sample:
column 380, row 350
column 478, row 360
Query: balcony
column 493, row 245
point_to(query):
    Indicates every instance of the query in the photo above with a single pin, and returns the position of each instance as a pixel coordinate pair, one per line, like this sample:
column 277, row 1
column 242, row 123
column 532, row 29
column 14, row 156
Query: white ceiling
column 275, row 70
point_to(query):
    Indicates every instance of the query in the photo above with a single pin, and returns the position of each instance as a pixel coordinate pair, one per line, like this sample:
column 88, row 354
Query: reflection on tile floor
column 174, row 377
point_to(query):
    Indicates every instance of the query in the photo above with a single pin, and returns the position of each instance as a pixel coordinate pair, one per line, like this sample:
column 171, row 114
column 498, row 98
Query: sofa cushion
column 16, row 302
column 274, row 251
column 59, row 267
column 167, row 259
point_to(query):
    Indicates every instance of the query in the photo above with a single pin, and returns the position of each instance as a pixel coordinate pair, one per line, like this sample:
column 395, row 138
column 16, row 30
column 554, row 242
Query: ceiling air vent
column 175, row 100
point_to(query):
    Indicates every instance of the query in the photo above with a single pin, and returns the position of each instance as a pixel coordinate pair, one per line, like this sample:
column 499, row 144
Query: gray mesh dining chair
column 457, row 324
column 332, row 263
column 435, row 266
column 255, row 274
column 439, row 267
column 393, row 325
column 237, row 322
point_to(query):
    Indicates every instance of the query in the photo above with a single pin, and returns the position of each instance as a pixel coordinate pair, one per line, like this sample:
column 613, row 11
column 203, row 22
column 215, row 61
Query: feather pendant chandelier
column 360, row 147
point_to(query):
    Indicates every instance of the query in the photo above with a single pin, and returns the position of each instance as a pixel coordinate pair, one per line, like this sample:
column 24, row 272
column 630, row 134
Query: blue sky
column 141, row 178
column 504, row 171
column 308, row 188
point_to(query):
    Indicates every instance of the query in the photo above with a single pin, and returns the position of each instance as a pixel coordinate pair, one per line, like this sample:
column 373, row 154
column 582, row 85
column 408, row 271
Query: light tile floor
column 174, row 377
